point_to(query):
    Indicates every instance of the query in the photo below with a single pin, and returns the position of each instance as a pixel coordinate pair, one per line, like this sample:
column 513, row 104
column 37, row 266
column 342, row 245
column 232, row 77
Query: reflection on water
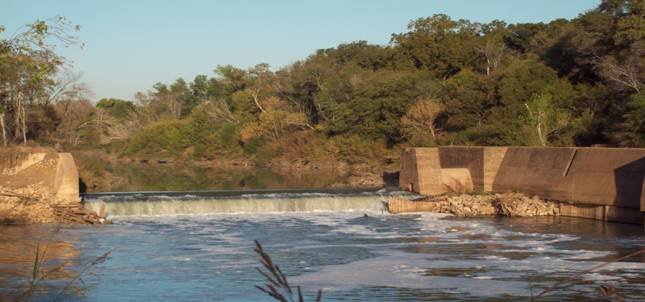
column 18, row 248
column 376, row 258
column 167, row 177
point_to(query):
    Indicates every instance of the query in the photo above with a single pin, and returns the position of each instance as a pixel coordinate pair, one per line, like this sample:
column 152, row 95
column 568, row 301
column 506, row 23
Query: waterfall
column 124, row 205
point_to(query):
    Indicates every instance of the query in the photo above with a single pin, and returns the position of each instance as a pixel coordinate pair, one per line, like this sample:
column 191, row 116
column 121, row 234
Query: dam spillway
column 238, row 202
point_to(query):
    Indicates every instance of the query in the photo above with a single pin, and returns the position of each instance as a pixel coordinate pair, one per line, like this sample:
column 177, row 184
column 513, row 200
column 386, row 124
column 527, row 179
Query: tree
column 546, row 118
column 492, row 45
column 75, row 115
column 28, row 64
column 628, row 73
column 631, row 132
column 468, row 98
column 439, row 44
column 419, row 125
column 117, row 108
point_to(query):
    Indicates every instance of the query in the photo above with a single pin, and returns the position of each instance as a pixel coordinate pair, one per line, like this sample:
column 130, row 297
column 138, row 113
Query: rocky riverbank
column 469, row 205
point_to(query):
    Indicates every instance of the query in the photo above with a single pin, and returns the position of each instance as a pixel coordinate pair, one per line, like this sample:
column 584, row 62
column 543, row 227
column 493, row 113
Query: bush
column 354, row 148
column 164, row 137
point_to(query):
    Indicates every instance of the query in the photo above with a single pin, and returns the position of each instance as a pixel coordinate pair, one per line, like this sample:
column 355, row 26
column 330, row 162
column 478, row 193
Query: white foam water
column 249, row 203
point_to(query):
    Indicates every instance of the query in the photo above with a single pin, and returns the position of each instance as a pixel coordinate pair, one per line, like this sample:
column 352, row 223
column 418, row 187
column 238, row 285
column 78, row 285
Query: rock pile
column 468, row 205
column 32, row 204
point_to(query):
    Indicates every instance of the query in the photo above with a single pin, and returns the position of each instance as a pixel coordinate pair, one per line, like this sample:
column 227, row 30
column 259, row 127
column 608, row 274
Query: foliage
column 419, row 123
column 116, row 108
column 28, row 66
column 162, row 138
column 545, row 118
column 441, row 82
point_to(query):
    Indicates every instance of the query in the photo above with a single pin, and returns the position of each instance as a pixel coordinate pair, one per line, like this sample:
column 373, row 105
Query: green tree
column 439, row 44
column 28, row 65
column 545, row 118
column 116, row 108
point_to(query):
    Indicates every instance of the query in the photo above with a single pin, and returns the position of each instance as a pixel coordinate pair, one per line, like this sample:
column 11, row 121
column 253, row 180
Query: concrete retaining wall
column 42, row 173
column 609, row 182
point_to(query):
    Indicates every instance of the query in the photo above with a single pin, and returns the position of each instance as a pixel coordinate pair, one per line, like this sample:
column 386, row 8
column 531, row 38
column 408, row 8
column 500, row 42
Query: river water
column 321, row 241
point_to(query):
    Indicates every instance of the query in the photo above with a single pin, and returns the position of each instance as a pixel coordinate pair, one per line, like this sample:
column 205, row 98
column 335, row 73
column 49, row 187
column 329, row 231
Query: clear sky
column 132, row 44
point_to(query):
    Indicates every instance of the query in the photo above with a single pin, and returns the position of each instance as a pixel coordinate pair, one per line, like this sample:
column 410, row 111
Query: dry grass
column 605, row 291
column 40, row 273
column 277, row 286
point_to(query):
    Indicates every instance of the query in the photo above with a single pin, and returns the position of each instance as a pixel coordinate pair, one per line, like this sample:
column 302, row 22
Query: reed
column 39, row 273
column 276, row 284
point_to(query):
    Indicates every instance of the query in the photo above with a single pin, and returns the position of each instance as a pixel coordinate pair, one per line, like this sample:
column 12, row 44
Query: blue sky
column 130, row 45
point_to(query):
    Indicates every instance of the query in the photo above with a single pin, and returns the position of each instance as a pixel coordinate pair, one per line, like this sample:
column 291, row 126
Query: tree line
column 572, row 82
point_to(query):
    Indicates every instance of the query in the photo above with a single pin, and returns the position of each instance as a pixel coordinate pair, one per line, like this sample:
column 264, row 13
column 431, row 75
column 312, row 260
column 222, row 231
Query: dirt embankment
column 467, row 205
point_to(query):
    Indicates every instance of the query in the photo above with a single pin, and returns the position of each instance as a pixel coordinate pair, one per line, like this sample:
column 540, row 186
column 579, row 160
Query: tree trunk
column 540, row 136
column 24, row 126
column 4, row 130
column 255, row 97
column 17, row 115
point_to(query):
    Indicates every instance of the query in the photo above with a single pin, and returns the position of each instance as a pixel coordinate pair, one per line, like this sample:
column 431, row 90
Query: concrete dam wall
column 600, row 183
column 34, row 181
column 44, row 171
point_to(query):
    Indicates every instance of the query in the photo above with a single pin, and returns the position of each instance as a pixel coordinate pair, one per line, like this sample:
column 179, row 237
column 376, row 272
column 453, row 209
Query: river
column 168, row 248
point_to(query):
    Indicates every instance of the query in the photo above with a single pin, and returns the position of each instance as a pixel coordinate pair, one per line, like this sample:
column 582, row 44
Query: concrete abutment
column 599, row 183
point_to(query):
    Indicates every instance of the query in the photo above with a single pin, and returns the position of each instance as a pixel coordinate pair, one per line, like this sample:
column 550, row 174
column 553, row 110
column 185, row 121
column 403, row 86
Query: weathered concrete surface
column 66, row 179
column 600, row 176
column 33, row 180
column 608, row 178
column 421, row 172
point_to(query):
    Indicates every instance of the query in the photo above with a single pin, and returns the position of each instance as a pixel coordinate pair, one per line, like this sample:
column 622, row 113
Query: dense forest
column 443, row 82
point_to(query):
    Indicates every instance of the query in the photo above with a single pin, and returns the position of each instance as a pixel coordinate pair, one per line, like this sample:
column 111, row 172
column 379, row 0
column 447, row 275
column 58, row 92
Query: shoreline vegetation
column 571, row 82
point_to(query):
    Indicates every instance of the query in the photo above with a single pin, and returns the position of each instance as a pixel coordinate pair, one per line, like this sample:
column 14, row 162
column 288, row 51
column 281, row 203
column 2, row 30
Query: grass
column 606, row 291
column 276, row 284
column 39, row 273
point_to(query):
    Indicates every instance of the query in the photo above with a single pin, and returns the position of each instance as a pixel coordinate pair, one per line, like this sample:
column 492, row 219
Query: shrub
column 164, row 137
